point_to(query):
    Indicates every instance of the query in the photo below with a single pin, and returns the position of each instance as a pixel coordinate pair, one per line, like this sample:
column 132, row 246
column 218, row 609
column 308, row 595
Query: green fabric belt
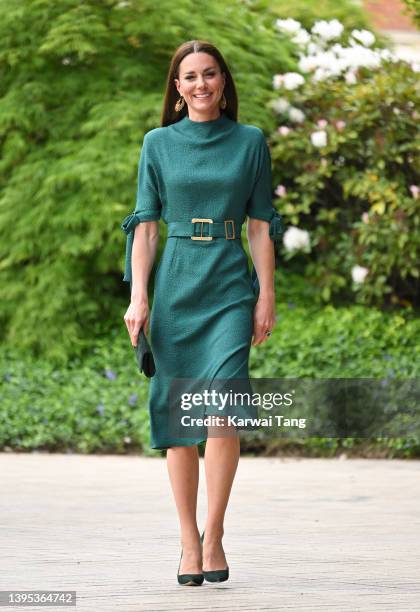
column 217, row 229
column 187, row 228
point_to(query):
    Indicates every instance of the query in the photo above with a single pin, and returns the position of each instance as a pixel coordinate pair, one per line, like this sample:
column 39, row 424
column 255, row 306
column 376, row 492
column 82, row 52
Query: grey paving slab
column 300, row 534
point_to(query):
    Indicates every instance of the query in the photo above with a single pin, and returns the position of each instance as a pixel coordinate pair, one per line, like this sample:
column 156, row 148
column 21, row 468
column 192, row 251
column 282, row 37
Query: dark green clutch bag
column 144, row 355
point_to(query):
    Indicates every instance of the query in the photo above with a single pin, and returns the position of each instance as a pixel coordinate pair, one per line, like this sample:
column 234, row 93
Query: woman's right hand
column 136, row 317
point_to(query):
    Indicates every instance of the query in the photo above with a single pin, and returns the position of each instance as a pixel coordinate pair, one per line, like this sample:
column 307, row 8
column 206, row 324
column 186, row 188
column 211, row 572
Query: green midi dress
column 201, row 320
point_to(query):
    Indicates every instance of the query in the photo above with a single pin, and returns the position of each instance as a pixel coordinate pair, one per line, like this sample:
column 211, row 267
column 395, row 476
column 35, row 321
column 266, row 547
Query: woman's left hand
column 264, row 318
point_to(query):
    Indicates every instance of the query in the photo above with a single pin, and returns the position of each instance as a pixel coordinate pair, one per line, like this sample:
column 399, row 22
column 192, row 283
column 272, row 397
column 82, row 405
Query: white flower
column 327, row 61
column 319, row 138
column 290, row 80
column 387, row 55
column 295, row 239
column 338, row 48
column 364, row 36
column 281, row 105
column 365, row 217
column 350, row 77
column 283, row 130
column 288, row 25
column 313, row 48
column 357, row 55
column 328, row 30
column 281, row 191
column 301, row 38
column 415, row 190
column 358, row 274
column 308, row 63
column 277, row 81
column 320, row 75
column 296, row 115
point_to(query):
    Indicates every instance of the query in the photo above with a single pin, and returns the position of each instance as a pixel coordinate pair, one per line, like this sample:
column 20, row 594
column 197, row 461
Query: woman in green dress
column 202, row 172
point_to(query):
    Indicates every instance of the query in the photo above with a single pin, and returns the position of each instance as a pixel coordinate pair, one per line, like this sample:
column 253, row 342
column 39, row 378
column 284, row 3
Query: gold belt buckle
column 201, row 237
column 233, row 229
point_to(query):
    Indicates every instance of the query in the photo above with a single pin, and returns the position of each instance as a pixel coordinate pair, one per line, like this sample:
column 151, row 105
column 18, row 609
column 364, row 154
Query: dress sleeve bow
column 276, row 226
column 276, row 230
column 128, row 226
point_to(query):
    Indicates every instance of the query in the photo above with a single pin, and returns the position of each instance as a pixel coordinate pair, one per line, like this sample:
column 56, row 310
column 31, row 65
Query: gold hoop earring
column 180, row 104
column 223, row 101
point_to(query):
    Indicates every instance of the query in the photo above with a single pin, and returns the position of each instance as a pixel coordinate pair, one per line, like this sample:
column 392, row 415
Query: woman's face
column 199, row 74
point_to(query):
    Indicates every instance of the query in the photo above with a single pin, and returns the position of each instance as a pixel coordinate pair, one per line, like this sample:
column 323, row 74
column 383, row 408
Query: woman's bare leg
column 221, row 460
column 183, row 469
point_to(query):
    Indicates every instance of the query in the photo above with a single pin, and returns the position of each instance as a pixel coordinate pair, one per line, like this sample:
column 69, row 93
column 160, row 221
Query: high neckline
column 207, row 122
column 210, row 127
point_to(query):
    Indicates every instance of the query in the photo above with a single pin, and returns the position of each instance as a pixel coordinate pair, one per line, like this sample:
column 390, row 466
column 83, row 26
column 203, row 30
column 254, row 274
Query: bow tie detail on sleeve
column 128, row 226
column 276, row 230
column 130, row 222
column 276, row 226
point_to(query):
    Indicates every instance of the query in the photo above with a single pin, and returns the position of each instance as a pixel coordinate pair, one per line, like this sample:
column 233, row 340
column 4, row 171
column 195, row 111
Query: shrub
column 346, row 160
column 81, row 82
column 413, row 10
column 100, row 404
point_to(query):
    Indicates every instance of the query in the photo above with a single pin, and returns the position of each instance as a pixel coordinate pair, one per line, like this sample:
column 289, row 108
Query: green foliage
column 308, row 11
column 353, row 194
column 413, row 10
column 80, row 83
column 100, row 404
column 335, row 342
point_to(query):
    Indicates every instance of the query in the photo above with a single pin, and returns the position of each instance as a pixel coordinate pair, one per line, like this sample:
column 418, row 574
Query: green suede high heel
column 215, row 575
column 189, row 579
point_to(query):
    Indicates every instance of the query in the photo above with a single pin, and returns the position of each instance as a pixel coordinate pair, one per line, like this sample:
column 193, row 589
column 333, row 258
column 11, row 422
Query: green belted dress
column 201, row 320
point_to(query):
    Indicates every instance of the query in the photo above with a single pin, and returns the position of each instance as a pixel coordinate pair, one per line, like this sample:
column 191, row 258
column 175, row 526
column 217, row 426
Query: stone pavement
column 300, row 534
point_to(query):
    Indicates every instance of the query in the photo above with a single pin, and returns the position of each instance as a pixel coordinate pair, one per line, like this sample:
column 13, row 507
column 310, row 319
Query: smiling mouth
column 202, row 96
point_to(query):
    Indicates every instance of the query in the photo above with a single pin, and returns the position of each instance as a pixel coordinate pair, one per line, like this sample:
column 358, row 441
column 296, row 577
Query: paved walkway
column 300, row 534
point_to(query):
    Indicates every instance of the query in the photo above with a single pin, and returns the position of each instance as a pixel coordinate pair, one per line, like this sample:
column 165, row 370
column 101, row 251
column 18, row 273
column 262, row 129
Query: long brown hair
column 169, row 114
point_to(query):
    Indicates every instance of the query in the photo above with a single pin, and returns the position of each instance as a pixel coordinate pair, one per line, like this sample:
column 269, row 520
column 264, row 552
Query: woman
column 203, row 173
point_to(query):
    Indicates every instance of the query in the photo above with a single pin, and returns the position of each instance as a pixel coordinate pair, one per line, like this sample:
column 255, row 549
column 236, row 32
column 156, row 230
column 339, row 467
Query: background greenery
column 80, row 84
column 356, row 194
column 364, row 171
column 99, row 404
column 413, row 10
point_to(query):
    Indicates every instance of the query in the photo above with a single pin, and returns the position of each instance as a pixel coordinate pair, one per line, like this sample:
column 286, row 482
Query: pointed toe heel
column 189, row 579
column 215, row 575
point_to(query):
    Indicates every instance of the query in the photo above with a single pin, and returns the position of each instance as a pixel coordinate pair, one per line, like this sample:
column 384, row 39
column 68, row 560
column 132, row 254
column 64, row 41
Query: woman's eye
column 208, row 74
